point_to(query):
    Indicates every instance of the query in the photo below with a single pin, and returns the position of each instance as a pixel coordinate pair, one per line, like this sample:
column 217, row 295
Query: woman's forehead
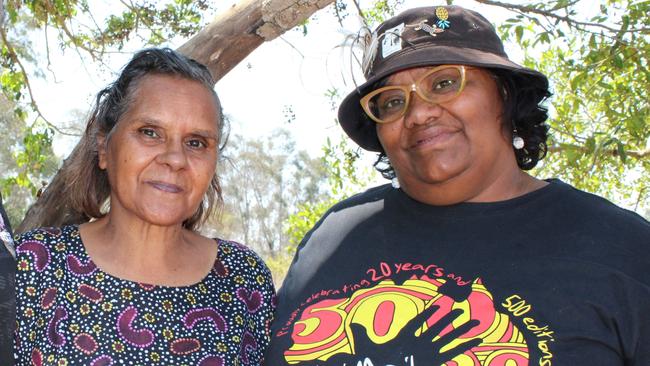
column 410, row 75
column 158, row 99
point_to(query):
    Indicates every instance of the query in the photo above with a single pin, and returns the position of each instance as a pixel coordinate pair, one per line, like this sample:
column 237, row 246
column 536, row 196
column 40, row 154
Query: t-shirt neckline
column 469, row 209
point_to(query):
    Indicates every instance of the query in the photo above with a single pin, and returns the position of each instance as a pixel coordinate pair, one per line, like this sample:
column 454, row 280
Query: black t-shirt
column 554, row 277
column 7, row 297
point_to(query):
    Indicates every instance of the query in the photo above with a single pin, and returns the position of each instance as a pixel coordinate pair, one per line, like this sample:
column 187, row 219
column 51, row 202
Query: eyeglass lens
column 435, row 87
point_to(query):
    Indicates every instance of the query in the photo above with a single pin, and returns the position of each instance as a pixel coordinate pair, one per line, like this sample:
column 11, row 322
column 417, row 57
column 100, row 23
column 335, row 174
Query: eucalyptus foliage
column 596, row 55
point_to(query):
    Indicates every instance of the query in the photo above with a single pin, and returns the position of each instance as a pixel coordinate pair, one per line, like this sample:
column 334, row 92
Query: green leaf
column 519, row 32
column 618, row 61
column 577, row 80
column 544, row 38
column 620, row 148
column 605, row 85
column 590, row 144
column 572, row 155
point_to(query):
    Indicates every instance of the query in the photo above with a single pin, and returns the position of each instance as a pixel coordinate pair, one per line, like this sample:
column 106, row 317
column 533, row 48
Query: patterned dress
column 69, row 312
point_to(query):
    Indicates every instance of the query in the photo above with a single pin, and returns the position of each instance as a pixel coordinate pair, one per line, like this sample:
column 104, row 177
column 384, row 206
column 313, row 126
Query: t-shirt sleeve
column 634, row 311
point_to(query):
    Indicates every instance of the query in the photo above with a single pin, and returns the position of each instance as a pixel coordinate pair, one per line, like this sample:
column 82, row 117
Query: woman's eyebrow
column 148, row 120
column 205, row 133
column 159, row 123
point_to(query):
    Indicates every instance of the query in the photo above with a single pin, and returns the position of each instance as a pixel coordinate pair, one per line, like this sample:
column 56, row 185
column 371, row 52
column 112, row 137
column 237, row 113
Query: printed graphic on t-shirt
column 405, row 314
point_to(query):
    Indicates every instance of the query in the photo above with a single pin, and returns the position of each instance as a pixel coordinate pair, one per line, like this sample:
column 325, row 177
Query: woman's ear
column 101, row 151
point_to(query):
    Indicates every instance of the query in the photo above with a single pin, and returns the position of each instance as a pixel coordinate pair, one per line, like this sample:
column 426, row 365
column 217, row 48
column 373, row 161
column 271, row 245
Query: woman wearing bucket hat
column 465, row 259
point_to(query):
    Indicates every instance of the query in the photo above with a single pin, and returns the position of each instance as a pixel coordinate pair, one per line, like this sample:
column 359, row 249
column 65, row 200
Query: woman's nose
column 420, row 111
column 173, row 154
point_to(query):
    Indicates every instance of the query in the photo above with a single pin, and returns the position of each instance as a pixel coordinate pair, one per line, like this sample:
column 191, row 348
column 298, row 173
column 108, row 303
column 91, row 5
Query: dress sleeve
column 262, row 318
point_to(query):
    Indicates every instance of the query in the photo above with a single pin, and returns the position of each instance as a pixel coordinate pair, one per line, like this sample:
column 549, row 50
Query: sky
column 287, row 76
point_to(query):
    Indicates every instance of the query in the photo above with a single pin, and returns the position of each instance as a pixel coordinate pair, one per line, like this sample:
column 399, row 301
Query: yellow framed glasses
column 438, row 85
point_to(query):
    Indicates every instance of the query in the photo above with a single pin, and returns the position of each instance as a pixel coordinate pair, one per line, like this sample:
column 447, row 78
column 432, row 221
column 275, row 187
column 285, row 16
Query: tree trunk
column 232, row 36
column 221, row 46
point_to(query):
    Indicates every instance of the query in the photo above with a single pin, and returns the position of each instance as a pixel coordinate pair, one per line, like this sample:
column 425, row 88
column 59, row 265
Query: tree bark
column 233, row 35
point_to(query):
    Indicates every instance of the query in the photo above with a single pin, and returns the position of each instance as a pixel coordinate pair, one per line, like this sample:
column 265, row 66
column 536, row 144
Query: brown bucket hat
column 424, row 36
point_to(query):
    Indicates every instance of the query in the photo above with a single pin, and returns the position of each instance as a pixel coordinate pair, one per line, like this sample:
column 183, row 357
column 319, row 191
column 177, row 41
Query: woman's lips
column 166, row 187
column 431, row 138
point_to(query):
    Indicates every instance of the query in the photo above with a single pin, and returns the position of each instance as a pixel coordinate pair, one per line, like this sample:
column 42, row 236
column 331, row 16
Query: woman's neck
column 500, row 186
column 129, row 232
column 141, row 252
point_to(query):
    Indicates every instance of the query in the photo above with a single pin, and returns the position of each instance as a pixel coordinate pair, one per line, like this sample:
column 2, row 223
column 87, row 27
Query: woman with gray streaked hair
column 129, row 279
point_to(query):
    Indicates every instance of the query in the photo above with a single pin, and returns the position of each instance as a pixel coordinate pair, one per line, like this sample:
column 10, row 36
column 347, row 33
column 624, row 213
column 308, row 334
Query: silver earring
column 517, row 141
column 395, row 183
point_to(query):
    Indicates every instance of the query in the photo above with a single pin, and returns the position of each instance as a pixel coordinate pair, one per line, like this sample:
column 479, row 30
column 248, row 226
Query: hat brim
column 363, row 131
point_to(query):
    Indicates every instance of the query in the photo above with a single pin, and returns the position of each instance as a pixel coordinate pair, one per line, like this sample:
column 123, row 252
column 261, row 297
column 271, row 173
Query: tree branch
column 144, row 20
column 639, row 200
column 234, row 34
column 361, row 14
column 638, row 154
column 566, row 19
column 2, row 13
column 14, row 57
column 75, row 40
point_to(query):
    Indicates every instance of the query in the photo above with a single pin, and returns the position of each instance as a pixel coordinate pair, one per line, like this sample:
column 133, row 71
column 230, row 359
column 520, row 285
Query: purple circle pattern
column 69, row 312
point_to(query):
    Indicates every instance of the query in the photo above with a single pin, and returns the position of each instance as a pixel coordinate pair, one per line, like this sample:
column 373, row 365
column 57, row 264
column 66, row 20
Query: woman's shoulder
column 235, row 259
column 47, row 244
column 48, row 233
column 596, row 218
column 234, row 251
column 362, row 199
column 590, row 205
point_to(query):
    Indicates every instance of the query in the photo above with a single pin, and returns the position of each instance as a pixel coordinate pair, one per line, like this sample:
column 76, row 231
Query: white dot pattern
column 69, row 312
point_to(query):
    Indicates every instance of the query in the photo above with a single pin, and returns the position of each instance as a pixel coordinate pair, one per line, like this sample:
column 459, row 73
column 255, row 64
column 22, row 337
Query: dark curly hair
column 522, row 107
